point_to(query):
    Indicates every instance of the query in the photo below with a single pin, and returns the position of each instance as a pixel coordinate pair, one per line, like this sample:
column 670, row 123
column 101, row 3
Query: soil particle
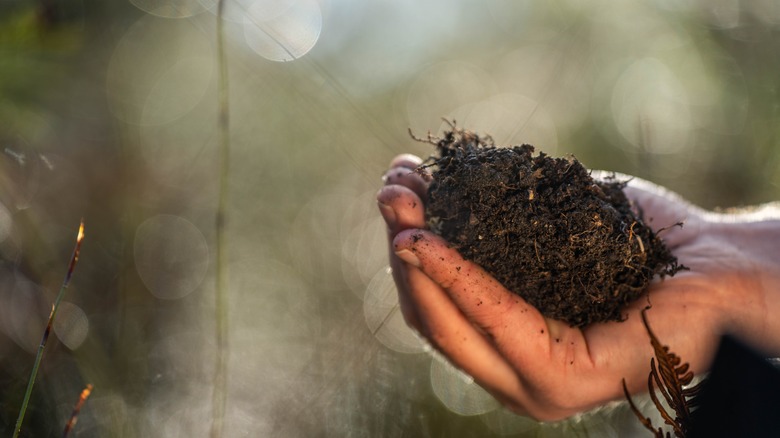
column 569, row 245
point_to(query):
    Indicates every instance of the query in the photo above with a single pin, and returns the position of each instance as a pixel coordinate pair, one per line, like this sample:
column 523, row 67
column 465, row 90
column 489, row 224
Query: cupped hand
column 542, row 367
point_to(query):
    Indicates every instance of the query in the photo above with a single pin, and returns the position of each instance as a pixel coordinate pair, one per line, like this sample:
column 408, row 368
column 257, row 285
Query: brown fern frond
column 653, row 377
column 671, row 377
column 644, row 420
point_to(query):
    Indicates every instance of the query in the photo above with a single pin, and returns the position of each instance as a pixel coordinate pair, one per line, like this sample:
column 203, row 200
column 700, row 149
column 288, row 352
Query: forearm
column 754, row 241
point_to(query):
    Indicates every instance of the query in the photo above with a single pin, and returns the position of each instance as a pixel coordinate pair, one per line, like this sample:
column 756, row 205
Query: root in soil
column 568, row 244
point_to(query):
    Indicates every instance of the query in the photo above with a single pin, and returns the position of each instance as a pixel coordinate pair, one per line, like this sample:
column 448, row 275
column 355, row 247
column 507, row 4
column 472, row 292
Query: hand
column 542, row 367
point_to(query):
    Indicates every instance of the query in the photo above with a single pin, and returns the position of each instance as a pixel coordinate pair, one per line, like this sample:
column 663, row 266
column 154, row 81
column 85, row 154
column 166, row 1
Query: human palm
column 543, row 367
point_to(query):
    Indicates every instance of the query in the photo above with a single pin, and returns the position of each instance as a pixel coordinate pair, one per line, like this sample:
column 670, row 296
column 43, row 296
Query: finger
column 401, row 208
column 401, row 278
column 413, row 179
column 516, row 327
column 408, row 161
column 452, row 333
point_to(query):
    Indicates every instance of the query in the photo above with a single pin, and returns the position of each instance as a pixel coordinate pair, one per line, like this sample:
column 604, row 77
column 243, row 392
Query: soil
column 570, row 245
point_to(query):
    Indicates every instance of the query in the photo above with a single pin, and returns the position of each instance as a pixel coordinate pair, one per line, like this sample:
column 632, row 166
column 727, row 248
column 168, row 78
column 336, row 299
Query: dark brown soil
column 569, row 245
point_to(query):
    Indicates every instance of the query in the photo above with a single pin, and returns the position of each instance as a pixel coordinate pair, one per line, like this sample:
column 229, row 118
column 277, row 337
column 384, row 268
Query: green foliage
column 34, row 61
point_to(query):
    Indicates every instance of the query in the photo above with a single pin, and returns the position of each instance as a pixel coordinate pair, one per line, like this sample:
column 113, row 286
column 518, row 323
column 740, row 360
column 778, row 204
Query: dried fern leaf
column 671, row 377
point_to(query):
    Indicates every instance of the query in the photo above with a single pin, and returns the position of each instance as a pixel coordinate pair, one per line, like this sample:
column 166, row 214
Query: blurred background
column 108, row 111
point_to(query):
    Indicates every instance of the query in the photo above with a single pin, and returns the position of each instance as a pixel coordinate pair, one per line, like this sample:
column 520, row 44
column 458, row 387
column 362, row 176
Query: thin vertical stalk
column 74, row 416
column 219, row 396
column 31, row 382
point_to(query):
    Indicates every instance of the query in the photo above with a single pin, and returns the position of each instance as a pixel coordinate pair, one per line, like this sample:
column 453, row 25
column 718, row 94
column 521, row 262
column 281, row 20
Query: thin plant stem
column 219, row 396
column 31, row 382
column 74, row 416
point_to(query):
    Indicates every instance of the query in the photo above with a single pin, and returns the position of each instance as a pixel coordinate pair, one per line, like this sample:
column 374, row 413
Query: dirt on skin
column 569, row 245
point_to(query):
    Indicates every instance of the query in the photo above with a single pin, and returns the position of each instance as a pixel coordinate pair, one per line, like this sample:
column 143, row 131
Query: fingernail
column 388, row 213
column 408, row 257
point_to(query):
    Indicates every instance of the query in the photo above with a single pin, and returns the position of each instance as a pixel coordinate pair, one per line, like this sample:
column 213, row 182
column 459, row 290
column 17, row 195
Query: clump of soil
column 569, row 245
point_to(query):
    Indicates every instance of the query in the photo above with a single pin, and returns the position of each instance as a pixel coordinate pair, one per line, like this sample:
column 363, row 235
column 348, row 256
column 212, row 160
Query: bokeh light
column 505, row 423
column 27, row 313
column 163, row 87
column 170, row 8
column 458, row 391
column 364, row 243
column 234, row 10
column 441, row 89
column 283, row 30
column 384, row 318
column 171, row 256
column 650, row 108
column 71, row 325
